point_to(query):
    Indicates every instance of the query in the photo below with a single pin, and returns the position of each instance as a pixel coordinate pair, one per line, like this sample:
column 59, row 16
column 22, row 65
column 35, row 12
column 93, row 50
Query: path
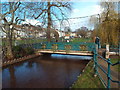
column 114, row 74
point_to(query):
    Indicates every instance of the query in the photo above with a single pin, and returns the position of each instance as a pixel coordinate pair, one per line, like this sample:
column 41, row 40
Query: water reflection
column 30, row 64
column 75, row 57
column 55, row 71
column 12, row 76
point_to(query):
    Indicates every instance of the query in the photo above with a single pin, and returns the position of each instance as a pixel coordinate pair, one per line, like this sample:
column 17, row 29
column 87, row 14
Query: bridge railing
column 78, row 46
column 107, row 73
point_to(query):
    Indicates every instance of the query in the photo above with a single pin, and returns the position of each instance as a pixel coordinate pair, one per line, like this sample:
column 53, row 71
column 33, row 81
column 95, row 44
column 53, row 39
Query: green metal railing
column 107, row 73
column 74, row 46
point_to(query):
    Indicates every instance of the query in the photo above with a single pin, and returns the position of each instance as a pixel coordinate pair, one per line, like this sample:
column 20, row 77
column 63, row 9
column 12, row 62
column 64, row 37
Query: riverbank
column 9, row 62
column 87, row 79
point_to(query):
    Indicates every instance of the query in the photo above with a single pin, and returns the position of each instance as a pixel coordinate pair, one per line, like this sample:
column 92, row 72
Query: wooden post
column 107, row 51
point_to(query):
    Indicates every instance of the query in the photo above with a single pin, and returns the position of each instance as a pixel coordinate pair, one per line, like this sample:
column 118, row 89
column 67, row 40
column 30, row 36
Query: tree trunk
column 9, row 43
column 49, row 23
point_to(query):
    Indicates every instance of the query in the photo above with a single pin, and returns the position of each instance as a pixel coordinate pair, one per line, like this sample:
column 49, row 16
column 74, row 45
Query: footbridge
column 72, row 48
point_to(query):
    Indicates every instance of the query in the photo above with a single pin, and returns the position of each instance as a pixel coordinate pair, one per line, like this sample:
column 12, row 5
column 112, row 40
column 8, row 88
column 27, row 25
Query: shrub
column 19, row 51
column 29, row 50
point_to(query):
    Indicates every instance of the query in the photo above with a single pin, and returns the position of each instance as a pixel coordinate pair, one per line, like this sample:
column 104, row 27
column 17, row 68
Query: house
column 73, row 34
column 89, row 33
column 61, row 33
column 29, row 31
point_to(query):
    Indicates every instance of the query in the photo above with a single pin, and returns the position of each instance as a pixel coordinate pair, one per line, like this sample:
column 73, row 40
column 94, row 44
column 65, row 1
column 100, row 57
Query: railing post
column 95, row 61
column 107, row 51
column 109, row 74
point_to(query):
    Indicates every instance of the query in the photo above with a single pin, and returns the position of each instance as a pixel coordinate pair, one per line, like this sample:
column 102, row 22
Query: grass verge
column 87, row 79
column 81, row 39
column 115, row 60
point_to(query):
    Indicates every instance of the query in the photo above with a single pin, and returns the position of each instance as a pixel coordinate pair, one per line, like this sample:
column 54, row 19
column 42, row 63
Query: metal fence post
column 109, row 74
column 95, row 61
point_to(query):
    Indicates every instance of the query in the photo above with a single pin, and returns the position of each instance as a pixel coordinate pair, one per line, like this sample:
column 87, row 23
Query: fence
column 112, row 48
column 107, row 73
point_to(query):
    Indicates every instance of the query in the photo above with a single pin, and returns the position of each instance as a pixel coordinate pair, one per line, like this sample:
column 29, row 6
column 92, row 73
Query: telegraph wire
column 77, row 17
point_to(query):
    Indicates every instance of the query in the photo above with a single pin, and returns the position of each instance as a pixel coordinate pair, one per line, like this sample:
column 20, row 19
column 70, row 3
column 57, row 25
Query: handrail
column 116, row 63
column 114, row 81
column 102, row 79
column 97, row 65
column 113, row 64
column 102, row 69
column 103, row 58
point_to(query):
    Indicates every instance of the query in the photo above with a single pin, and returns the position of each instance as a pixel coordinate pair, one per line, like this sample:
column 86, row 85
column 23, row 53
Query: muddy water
column 55, row 71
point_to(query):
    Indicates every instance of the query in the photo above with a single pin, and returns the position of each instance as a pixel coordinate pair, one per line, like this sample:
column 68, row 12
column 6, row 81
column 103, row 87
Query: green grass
column 25, row 41
column 30, row 41
column 87, row 79
column 81, row 40
column 115, row 60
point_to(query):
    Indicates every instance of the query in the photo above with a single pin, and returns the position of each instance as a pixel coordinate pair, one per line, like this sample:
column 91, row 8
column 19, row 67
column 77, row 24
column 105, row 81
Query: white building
column 61, row 33
column 73, row 34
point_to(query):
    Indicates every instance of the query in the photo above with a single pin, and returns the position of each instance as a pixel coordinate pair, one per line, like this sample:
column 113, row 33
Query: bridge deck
column 89, row 53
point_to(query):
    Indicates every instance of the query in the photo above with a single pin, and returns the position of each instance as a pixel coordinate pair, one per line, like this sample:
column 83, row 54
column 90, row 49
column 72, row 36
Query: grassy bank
column 24, row 41
column 115, row 59
column 87, row 79
column 81, row 39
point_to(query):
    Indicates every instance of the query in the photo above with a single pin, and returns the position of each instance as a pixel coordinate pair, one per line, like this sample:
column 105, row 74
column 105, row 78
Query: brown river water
column 46, row 71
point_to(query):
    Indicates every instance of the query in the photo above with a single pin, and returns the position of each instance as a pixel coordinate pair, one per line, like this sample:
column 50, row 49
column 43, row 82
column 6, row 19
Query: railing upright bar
column 95, row 60
column 102, row 80
column 109, row 74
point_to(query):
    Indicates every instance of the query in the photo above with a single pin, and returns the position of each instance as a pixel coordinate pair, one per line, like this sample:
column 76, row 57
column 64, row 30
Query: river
column 46, row 71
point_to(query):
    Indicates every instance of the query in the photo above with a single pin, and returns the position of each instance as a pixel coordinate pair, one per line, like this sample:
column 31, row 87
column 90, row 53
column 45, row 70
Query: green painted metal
column 97, row 65
column 78, row 46
column 108, row 75
column 95, row 61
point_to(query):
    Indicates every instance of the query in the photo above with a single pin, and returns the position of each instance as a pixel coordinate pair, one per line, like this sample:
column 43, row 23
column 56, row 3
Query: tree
column 48, row 11
column 9, row 18
column 15, row 12
column 107, row 27
column 67, row 30
column 55, row 33
column 82, row 33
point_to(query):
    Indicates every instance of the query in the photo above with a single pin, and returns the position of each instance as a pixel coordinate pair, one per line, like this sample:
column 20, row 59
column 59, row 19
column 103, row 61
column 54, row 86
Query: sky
column 82, row 9
column 79, row 9
column 85, row 8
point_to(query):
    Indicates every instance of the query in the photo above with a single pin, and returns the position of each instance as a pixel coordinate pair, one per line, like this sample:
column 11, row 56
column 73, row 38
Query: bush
column 29, row 50
column 19, row 51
